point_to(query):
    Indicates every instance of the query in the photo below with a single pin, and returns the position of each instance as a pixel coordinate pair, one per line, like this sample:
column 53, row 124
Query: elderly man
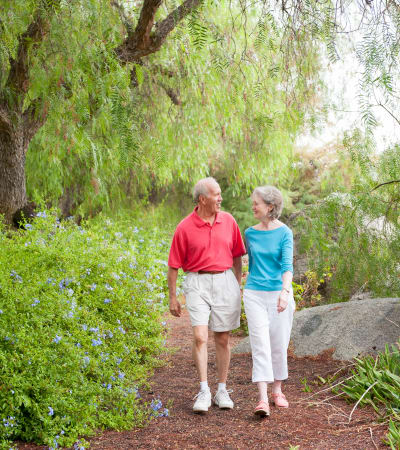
column 207, row 245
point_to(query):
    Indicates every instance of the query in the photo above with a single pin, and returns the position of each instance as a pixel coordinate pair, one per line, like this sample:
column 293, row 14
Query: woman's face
column 260, row 208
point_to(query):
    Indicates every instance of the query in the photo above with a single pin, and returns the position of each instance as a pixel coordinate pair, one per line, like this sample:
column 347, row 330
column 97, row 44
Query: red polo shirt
column 197, row 245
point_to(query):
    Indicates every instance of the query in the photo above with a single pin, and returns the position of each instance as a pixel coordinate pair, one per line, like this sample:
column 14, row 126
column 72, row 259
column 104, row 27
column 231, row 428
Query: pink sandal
column 279, row 400
column 262, row 409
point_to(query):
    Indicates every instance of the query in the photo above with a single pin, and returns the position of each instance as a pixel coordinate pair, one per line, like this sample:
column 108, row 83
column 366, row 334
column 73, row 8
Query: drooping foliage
column 214, row 100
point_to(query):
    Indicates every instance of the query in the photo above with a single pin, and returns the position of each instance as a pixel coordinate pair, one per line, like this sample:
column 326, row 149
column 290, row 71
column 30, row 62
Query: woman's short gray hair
column 270, row 195
column 201, row 188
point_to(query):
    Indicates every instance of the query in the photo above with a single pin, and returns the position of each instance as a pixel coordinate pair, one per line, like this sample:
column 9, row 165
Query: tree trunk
column 12, row 173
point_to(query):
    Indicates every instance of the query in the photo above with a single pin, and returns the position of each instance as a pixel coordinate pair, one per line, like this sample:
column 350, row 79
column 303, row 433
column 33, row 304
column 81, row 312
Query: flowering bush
column 80, row 327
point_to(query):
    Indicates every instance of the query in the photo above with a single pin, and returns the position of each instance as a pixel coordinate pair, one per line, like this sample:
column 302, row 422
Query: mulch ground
column 318, row 422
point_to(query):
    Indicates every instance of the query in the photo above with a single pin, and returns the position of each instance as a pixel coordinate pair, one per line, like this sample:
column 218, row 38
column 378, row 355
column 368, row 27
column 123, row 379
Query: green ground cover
column 81, row 327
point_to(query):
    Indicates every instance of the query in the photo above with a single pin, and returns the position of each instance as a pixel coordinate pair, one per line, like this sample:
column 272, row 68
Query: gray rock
column 348, row 329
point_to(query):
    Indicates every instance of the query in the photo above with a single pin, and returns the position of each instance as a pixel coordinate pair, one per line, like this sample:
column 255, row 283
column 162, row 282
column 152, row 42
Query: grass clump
column 376, row 382
column 80, row 327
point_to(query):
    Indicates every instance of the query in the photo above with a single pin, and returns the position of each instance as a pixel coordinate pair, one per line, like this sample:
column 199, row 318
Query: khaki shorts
column 213, row 300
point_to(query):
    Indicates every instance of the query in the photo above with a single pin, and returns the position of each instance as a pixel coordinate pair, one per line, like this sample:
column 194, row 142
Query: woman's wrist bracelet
column 287, row 290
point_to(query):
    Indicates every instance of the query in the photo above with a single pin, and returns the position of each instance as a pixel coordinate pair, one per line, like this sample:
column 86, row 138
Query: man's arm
column 237, row 269
column 174, row 305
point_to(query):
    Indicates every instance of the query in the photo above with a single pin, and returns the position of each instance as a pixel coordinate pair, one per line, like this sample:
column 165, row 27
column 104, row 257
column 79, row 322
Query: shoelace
column 225, row 392
column 200, row 394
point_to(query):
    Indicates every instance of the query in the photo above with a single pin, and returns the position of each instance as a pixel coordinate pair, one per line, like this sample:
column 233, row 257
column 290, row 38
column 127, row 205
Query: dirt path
column 309, row 424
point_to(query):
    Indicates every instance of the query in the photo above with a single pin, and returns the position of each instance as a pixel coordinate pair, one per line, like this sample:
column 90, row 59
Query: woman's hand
column 282, row 301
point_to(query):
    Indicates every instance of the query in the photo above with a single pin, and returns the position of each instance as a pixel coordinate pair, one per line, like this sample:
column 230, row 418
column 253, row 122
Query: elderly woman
column 268, row 296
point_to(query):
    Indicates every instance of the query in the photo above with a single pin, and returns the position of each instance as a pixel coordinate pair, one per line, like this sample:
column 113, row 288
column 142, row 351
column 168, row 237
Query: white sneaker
column 203, row 401
column 223, row 400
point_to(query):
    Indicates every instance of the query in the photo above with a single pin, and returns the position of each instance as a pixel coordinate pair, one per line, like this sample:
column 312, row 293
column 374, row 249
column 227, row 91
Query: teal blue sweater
column 270, row 256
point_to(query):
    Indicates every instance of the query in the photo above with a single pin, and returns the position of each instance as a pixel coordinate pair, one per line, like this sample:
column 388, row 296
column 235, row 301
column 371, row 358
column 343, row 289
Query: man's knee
column 200, row 336
column 222, row 339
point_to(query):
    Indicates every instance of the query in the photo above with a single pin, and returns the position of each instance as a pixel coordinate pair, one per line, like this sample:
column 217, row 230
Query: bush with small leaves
column 80, row 326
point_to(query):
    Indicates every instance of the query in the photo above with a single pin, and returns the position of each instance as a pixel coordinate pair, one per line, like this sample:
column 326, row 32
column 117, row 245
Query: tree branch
column 18, row 78
column 142, row 41
column 173, row 95
column 163, row 28
column 384, row 184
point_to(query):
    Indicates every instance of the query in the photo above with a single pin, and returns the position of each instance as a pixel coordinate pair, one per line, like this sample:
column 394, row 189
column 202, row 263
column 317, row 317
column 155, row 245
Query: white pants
column 269, row 333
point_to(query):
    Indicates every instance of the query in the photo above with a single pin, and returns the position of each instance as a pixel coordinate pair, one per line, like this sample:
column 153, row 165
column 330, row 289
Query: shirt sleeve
column 249, row 252
column 177, row 252
column 238, row 248
column 287, row 252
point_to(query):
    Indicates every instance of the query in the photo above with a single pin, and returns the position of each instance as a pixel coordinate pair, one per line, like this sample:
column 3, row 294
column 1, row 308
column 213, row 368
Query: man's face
column 212, row 203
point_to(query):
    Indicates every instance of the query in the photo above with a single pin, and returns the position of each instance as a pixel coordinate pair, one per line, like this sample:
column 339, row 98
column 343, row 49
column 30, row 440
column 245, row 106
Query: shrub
column 308, row 292
column 80, row 326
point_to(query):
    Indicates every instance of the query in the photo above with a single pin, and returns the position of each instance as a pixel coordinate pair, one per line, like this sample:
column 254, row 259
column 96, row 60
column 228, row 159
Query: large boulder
column 346, row 329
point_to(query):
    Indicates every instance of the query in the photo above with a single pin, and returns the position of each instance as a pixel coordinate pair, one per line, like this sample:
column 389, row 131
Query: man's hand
column 282, row 301
column 175, row 307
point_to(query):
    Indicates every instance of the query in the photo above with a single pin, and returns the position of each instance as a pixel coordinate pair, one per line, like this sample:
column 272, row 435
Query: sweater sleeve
column 287, row 252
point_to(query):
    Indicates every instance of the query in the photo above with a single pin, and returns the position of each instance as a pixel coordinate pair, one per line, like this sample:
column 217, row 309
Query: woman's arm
column 287, row 267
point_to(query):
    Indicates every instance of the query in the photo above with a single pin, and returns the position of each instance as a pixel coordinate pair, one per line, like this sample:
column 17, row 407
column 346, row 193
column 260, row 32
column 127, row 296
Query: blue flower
column 94, row 330
column 57, row 339
column 147, row 274
column 1, row 311
column 84, row 327
column 51, row 411
column 86, row 361
column 156, row 405
column 36, row 302
column 41, row 214
column 165, row 413
column 121, row 330
column 28, row 226
column 119, row 361
column 93, row 286
column 16, row 277
column 107, row 300
column 108, row 287
column 96, row 342
column 121, row 375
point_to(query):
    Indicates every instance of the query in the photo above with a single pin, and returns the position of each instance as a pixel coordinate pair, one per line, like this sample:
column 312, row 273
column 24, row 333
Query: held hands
column 282, row 301
column 175, row 307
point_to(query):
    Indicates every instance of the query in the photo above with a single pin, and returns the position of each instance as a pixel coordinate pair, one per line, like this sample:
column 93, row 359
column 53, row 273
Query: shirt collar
column 200, row 222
